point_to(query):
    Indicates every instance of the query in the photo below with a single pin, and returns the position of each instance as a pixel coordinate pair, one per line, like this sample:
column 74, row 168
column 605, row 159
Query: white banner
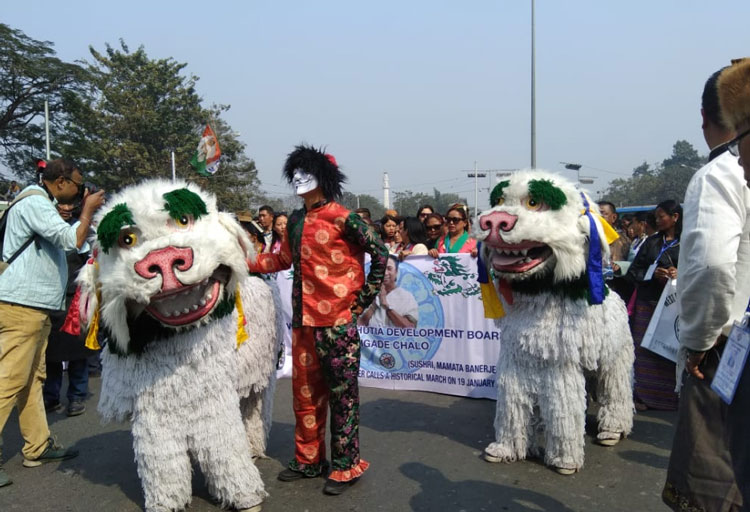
column 663, row 334
column 452, row 349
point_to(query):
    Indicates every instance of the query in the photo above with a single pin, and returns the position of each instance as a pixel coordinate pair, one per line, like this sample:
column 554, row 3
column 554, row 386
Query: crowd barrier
column 452, row 349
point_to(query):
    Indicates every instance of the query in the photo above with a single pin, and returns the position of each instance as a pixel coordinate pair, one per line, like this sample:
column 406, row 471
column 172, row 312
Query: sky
column 424, row 89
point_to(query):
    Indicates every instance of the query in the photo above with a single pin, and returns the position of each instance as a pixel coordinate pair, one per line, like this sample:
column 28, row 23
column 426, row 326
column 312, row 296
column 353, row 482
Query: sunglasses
column 434, row 227
column 79, row 185
column 453, row 220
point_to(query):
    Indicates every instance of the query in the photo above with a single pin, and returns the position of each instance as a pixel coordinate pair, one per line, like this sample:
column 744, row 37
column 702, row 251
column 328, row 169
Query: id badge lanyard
column 733, row 359
column 664, row 247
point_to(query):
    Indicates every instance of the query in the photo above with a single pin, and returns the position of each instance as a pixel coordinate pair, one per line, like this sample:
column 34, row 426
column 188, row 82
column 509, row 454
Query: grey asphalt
column 425, row 454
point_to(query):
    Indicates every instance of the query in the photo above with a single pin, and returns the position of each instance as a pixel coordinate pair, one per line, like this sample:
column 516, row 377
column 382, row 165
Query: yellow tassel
column 241, row 332
column 92, row 342
column 493, row 308
column 609, row 232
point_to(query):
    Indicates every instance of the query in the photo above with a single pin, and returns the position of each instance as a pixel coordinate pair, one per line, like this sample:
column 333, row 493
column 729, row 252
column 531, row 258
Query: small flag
column 207, row 156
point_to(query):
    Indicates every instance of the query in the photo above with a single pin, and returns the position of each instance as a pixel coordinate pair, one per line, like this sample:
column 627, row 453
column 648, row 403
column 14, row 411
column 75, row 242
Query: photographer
column 31, row 287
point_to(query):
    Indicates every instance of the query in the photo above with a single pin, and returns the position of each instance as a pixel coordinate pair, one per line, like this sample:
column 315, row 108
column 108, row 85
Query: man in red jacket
column 326, row 244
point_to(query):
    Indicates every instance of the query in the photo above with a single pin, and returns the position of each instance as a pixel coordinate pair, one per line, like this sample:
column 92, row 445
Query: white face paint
column 303, row 182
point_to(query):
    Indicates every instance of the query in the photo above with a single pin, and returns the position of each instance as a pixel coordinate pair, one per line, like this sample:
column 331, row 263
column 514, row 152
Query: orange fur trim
column 348, row 475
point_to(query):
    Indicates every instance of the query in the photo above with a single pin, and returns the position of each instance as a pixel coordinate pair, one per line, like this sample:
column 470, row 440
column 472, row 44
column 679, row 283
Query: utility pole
column 476, row 175
column 533, row 90
column 46, row 125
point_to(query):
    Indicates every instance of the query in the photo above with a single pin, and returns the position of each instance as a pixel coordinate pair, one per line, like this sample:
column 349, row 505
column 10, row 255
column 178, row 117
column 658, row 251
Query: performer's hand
column 693, row 362
column 356, row 310
column 433, row 253
column 672, row 272
column 474, row 252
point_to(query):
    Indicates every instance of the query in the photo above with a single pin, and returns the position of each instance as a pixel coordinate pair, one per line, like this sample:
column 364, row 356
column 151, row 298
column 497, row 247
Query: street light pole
column 476, row 190
column 586, row 180
column 533, row 90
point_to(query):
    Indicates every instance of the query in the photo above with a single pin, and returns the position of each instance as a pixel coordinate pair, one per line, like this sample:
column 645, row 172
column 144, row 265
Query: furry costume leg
column 161, row 453
column 562, row 408
column 514, row 408
column 614, row 394
column 257, row 412
column 225, row 459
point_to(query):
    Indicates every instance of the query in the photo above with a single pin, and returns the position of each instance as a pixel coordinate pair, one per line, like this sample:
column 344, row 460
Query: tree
column 354, row 201
column 642, row 170
column 407, row 203
column 669, row 180
column 136, row 112
column 441, row 202
column 30, row 74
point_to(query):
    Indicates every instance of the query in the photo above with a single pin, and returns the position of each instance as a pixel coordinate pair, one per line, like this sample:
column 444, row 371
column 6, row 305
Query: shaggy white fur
column 551, row 333
column 191, row 392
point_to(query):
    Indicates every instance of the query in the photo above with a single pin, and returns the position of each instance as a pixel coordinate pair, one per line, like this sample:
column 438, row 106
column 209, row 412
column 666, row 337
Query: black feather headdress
column 318, row 163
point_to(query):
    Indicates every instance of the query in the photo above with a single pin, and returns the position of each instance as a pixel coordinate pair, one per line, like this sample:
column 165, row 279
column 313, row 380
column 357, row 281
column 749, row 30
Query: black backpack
column 4, row 223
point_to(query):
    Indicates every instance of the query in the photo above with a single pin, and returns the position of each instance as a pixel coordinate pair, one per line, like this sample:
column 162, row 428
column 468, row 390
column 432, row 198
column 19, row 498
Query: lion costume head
column 539, row 228
column 166, row 261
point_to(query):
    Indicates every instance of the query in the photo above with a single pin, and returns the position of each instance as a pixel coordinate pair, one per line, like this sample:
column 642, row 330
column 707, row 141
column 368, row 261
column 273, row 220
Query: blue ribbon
column 482, row 276
column 594, row 261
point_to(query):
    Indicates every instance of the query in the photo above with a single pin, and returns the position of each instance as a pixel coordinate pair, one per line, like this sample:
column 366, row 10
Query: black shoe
column 52, row 453
column 334, row 487
column 290, row 475
column 55, row 406
column 76, row 408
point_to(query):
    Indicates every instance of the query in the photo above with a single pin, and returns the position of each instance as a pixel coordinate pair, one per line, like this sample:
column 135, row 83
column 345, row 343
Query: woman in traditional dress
column 653, row 266
column 457, row 239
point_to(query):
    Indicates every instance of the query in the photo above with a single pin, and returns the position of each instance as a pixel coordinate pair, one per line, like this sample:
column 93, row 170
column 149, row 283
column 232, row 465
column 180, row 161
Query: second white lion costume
column 545, row 249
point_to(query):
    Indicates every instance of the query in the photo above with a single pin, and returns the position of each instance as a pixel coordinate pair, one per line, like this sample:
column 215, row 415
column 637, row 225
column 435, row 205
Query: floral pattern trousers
column 325, row 372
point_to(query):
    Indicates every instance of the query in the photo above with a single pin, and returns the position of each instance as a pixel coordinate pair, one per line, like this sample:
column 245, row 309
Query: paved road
column 425, row 453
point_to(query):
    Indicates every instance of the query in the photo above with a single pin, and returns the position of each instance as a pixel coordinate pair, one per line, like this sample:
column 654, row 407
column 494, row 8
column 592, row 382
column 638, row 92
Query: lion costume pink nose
column 495, row 222
column 164, row 261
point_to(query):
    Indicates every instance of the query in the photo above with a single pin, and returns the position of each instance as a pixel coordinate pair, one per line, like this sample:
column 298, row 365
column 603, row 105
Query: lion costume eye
column 183, row 222
column 532, row 204
column 127, row 239
column 499, row 201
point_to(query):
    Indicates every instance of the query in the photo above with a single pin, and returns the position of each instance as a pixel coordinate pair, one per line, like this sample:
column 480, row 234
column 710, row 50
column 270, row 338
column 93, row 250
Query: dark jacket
column 651, row 290
column 62, row 346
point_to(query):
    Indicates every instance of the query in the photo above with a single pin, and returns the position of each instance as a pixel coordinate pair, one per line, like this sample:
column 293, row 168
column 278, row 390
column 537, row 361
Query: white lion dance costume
column 561, row 321
column 191, row 367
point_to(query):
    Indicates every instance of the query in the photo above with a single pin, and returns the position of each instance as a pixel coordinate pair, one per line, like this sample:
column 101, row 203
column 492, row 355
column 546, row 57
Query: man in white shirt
column 31, row 287
column 734, row 98
column 713, row 288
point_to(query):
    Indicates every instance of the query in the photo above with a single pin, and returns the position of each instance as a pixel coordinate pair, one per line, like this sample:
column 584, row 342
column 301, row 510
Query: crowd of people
column 426, row 233
column 703, row 244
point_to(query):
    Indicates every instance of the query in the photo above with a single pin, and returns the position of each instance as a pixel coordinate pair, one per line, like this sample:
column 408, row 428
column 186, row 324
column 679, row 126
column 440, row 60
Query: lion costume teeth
column 535, row 241
column 167, row 288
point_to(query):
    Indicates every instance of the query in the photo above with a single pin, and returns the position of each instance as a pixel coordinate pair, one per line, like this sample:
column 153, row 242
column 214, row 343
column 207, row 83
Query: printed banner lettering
column 427, row 333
